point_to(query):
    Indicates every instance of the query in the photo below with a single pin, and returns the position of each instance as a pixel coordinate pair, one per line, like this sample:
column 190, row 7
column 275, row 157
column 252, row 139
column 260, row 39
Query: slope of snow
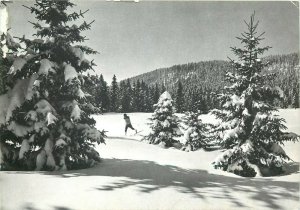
column 136, row 175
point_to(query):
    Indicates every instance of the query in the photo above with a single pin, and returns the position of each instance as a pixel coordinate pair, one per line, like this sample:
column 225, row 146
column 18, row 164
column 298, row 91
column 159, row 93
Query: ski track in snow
column 136, row 175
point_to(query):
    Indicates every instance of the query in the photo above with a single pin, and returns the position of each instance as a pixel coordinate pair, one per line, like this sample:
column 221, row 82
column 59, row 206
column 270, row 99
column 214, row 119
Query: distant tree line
column 193, row 86
column 125, row 96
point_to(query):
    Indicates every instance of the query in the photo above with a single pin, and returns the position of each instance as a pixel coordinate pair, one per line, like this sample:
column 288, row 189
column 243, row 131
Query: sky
column 134, row 38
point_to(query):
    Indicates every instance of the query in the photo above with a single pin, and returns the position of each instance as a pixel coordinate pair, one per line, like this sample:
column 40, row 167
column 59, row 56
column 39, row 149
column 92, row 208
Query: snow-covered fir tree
column 45, row 116
column 164, row 124
column 196, row 132
column 250, row 131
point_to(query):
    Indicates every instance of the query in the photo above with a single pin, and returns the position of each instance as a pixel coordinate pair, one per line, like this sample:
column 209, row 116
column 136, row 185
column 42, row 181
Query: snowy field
column 136, row 175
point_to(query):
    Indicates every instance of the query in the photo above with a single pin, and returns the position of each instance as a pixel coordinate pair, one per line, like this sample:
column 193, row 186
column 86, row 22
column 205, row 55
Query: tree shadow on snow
column 122, row 138
column 30, row 206
column 148, row 176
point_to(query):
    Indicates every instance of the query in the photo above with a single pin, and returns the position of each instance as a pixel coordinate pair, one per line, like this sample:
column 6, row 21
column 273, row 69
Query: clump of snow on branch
column 17, row 65
column 78, row 54
column 50, row 118
column 46, row 67
column 76, row 112
column 70, row 72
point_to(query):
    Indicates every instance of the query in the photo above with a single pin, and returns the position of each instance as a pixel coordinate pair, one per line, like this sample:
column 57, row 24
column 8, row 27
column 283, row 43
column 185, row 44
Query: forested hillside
column 207, row 74
column 208, row 77
column 286, row 68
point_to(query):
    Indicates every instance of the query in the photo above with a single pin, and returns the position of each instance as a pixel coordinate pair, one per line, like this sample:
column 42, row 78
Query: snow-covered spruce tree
column 196, row 132
column 249, row 130
column 46, row 117
column 164, row 123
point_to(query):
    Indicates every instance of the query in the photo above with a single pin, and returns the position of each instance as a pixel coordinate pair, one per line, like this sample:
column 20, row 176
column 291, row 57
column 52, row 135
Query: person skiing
column 128, row 124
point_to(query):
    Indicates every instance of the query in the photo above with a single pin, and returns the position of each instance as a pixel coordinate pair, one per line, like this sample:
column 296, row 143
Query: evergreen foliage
column 102, row 94
column 89, row 86
column 46, row 123
column 196, row 132
column 249, row 130
column 114, row 92
column 179, row 98
column 125, row 96
column 164, row 124
column 4, row 63
column 3, row 72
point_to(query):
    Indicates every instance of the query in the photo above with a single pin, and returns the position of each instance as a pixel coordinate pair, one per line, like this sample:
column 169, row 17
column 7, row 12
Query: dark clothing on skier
column 128, row 126
column 128, row 123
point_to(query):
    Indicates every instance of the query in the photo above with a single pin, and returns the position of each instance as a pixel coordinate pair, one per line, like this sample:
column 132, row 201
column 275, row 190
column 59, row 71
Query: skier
column 128, row 124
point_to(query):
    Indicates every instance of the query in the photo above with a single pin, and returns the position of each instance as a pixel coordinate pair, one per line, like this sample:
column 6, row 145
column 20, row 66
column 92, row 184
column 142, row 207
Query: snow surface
column 136, row 175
